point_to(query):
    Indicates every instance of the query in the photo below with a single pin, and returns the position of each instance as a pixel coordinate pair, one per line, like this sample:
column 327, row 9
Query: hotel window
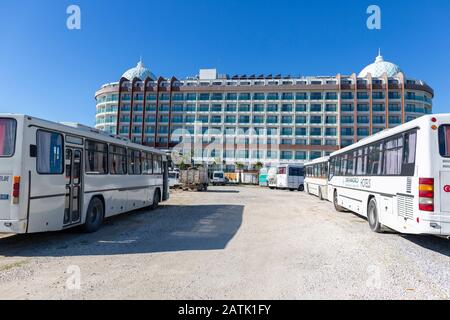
column 244, row 96
column 137, row 107
column 347, row 119
column 230, row 130
column 191, row 96
column 286, row 141
column 203, row 108
column 315, row 131
column 301, row 96
column 163, row 129
column 272, row 131
column 315, row 108
column 137, row 119
column 272, row 119
column 260, row 130
column 164, row 107
column 230, row 108
column 203, row 118
column 190, row 119
column 378, row 107
column 139, row 96
column 363, row 132
column 203, row 96
column 231, row 96
column 286, row 131
column 394, row 107
column 216, row 108
column 244, row 119
column 315, row 96
column 272, row 96
column 330, row 132
column 125, row 107
column 126, row 97
column 410, row 95
column 177, row 107
column 286, row 155
column 300, row 119
column 315, row 154
column 330, row 119
column 363, row 107
column 347, row 95
column 164, row 97
column 395, row 120
column 217, row 96
column 347, row 107
column 190, row 108
column 286, row 119
column 164, row 119
column 315, row 119
column 347, row 131
column 258, row 119
column 300, row 142
column 272, row 108
column 315, row 142
column 346, row 142
column 272, row 154
column 258, row 108
column 230, row 119
column 216, row 119
column 150, row 129
column 244, row 108
column 177, row 97
column 287, row 96
column 300, row 131
column 286, row 107
column 330, row 142
column 300, row 107
column 394, row 95
column 258, row 96
column 362, row 95
column 300, row 155
column 377, row 95
column 378, row 120
column 363, row 119
column 330, row 108
column 331, row 96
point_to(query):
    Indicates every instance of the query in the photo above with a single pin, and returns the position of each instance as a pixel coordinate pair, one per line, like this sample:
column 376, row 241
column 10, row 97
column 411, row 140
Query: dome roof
column 379, row 67
column 139, row 71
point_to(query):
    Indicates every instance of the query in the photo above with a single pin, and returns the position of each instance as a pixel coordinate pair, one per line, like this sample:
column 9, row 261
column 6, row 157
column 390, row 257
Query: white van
column 218, row 178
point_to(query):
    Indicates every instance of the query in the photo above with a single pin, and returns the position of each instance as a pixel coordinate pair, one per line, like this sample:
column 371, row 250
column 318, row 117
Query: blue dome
column 139, row 71
column 380, row 67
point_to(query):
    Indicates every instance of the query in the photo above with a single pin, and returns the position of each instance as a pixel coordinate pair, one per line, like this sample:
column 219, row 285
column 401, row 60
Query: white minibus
column 398, row 178
column 55, row 176
column 290, row 176
column 316, row 177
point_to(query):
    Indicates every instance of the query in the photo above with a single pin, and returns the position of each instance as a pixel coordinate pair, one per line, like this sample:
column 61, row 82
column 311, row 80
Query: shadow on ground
column 169, row 228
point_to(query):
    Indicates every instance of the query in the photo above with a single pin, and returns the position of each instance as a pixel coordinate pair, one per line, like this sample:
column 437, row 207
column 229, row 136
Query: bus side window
column 409, row 153
column 49, row 152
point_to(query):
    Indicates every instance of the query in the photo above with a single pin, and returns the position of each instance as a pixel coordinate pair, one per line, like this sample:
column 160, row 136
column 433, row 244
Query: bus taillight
column 426, row 194
column 16, row 189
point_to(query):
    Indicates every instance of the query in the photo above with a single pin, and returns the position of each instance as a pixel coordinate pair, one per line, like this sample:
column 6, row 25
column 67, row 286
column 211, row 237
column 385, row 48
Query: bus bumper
column 13, row 226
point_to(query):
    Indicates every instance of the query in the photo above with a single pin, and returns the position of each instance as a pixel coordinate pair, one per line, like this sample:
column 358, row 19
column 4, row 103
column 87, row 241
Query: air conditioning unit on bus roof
column 93, row 130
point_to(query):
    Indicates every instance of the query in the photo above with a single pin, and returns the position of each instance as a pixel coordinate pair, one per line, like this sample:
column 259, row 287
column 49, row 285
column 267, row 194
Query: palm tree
column 258, row 165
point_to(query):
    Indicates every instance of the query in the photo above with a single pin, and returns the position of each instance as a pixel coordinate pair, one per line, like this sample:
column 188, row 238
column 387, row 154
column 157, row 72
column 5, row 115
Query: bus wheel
column 94, row 216
column 156, row 199
column 301, row 187
column 335, row 202
column 372, row 216
column 291, row 189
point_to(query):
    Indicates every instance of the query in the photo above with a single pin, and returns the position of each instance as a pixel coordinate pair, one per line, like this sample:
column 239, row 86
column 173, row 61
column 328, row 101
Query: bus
column 290, row 176
column 55, row 176
column 316, row 177
column 398, row 178
column 272, row 177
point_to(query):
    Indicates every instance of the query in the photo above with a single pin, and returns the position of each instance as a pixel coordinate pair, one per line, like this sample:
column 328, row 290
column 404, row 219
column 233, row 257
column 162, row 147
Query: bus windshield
column 444, row 140
column 7, row 137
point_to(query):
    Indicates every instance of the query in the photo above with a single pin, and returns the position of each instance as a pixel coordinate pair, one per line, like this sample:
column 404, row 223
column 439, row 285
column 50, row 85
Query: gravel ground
column 228, row 243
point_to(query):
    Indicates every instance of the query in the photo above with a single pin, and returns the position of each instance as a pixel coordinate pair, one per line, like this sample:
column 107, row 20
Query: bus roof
column 419, row 122
column 318, row 160
column 83, row 131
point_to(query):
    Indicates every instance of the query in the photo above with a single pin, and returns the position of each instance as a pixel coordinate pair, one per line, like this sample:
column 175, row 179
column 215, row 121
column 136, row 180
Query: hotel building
column 297, row 118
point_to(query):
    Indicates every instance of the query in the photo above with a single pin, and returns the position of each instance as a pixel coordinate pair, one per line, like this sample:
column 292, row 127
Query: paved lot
column 228, row 243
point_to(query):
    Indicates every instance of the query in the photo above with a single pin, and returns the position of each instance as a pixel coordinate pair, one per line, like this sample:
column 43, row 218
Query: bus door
column 74, row 186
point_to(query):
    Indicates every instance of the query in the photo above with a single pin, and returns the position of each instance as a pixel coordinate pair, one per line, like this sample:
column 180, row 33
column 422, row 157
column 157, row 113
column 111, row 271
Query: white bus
column 316, row 177
column 290, row 176
column 55, row 176
column 398, row 178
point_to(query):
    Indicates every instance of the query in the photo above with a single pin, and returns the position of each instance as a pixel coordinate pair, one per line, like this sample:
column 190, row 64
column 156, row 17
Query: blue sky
column 52, row 72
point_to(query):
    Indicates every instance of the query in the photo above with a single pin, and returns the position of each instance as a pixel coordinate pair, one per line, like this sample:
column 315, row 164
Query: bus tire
column 94, row 215
column 291, row 189
column 156, row 199
column 372, row 216
column 301, row 187
column 337, row 207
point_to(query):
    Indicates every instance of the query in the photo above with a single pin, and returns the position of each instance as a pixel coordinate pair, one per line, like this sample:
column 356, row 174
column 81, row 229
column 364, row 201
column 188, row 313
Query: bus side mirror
column 33, row 151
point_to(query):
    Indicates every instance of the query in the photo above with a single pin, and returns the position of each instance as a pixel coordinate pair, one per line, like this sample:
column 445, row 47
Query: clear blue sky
column 52, row 72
